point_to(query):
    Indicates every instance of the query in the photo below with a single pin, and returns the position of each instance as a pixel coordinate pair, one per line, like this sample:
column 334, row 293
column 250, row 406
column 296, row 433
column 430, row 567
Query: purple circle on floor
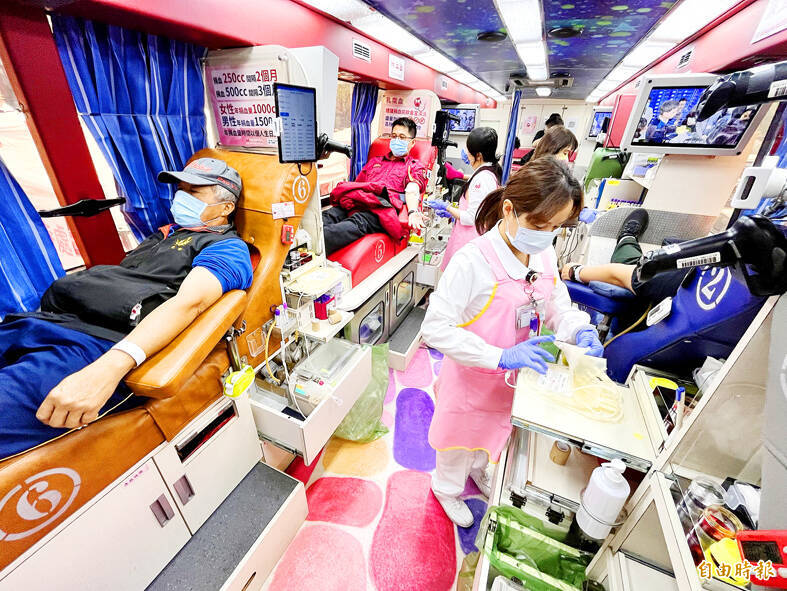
column 414, row 410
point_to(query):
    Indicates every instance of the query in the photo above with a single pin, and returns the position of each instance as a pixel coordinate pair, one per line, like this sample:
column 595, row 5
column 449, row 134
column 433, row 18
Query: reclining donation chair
column 109, row 505
column 366, row 254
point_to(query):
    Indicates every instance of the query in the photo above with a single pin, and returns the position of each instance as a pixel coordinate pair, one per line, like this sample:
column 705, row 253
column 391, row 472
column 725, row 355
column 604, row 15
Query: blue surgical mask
column 187, row 211
column 465, row 157
column 529, row 241
column 399, row 147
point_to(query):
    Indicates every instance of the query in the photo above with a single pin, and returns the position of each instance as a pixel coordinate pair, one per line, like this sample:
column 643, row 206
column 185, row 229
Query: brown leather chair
column 180, row 381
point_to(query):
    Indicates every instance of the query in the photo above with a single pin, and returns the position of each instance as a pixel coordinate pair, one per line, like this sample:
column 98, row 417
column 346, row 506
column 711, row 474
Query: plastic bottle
column 603, row 499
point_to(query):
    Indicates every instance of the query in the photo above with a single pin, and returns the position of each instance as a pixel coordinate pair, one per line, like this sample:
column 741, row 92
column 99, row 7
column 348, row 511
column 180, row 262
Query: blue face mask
column 465, row 157
column 187, row 211
column 530, row 241
column 399, row 147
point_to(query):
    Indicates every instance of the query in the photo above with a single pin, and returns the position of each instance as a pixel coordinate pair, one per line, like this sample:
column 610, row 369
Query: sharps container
column 604, row 497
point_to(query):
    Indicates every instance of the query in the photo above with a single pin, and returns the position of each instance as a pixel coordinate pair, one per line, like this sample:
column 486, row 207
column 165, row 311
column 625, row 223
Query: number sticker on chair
column 711, row 287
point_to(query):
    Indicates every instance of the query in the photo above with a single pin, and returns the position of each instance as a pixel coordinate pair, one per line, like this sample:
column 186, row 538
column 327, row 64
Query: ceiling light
column 532, row 54
column 436, row 61
column 538, row 72
column 688, row 17
column 344, row 10
column 481, row 86
column 463, row 76
column 592, row 98
column 606, row 86
column 522, row 19
column 622, row 73
column 384, row 30
column 543, row 90
column 646, row 52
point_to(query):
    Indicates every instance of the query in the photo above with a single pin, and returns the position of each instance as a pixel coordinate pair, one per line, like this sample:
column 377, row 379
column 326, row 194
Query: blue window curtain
column 363, row 107
column 142, row 98
column 511, row 135
column 29, row 262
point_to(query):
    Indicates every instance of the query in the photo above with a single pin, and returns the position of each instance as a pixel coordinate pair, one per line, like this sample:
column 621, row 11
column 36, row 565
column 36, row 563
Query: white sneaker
column 456, row 510
column 482, row 481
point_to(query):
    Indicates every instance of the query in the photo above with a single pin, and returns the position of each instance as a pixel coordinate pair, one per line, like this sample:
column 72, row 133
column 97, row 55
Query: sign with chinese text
column 242, row 100
column 395, row 67
column 415, row 104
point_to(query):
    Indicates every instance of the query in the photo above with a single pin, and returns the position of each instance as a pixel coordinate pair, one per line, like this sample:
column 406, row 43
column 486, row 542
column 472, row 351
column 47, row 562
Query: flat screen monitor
column 664, row 119
column 467, row 118
column 600, row 114
column 297, row 110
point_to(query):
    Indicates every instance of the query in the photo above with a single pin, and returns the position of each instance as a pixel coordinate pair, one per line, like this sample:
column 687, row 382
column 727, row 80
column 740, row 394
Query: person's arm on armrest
column 614, row 273
column 79, row 397
column 412, row 197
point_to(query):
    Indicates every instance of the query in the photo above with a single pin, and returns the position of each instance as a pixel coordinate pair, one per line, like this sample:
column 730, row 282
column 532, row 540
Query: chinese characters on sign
column 243, row 104
column 410, row 104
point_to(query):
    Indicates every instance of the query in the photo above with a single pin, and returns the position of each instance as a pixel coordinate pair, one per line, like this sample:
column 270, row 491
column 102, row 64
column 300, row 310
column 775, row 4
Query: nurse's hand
column 77, row 400
column 527, row 354
column 588, row 337
column 439, row 207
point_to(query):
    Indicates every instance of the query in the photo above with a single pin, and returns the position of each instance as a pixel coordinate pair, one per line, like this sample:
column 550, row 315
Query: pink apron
column 461, row 234
column 473, row 405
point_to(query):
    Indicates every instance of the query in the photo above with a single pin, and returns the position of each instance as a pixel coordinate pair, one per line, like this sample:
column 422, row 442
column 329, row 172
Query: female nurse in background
column 480, row 153
column 485, row 316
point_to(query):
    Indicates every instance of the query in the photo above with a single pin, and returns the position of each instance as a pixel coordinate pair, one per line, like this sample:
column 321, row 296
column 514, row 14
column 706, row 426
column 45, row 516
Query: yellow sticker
column 639, row 436
column 613, row 182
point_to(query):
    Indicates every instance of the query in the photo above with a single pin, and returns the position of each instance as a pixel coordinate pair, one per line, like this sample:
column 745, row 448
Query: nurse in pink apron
column 480, row 153
column 486, row 315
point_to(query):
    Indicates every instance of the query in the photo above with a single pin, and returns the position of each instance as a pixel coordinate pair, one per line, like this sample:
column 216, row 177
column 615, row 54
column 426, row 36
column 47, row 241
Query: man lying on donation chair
column 62, row 366
column 620, row 270
column 372, row 202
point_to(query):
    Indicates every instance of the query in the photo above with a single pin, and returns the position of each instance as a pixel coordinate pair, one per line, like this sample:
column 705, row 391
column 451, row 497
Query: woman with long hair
column 481, row 148
column 557, row 141
column 486, row 315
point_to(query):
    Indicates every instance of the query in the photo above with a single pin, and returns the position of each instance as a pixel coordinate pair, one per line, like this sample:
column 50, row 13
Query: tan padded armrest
column 164, row 374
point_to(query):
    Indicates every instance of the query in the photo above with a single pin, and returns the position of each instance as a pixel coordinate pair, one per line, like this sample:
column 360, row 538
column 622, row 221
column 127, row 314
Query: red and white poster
column 529, row 124
column 243, row 105
column 417, row 105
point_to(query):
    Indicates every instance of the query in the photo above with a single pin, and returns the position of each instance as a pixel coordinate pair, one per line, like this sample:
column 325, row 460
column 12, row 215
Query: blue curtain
column 364, row 105
column 142, row 98
column 511, row 135
column 28, row 260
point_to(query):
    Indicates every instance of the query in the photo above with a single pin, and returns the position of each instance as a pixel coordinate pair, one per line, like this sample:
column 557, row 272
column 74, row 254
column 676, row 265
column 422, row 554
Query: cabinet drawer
column 306, row 437
column 121, row 542
column 209, row 458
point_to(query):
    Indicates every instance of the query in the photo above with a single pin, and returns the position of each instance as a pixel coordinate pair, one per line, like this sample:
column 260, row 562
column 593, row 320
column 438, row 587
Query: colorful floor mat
column 373, row 521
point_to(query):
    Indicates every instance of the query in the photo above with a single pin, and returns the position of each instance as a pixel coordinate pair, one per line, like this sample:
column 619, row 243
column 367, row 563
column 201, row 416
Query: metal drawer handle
column 184, row 489
column 162, row 510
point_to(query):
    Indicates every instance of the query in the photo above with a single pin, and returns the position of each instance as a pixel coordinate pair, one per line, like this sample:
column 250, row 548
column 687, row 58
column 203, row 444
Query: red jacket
column 373, row 197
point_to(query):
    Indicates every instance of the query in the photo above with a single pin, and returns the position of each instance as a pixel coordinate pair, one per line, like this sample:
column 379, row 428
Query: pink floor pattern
column 373, row 521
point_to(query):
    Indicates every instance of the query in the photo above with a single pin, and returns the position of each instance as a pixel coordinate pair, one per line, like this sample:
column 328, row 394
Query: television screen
column 597, row 125
column 670, row 117
column 466, row 121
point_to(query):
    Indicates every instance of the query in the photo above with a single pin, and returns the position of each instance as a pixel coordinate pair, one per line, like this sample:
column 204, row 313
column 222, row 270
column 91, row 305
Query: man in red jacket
column 398, row 172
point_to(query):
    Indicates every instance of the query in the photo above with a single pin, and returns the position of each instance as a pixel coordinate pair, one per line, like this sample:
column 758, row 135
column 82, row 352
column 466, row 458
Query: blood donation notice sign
column 417, row 105
column 242, row 100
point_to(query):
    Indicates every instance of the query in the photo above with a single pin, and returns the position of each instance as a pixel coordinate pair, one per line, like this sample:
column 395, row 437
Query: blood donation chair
column 710, row 313
column 613, row 307
column 109, row 505
column 367, row 254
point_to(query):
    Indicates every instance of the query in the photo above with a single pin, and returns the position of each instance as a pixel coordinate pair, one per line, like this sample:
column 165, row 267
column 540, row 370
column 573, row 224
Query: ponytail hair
column 483, row 141
column 540, row 189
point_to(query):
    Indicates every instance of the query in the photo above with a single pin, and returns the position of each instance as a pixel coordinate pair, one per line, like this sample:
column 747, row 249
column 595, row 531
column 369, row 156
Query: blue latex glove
column 588, row 337
column 439, row 207
column 527, row 354
column 588, row 215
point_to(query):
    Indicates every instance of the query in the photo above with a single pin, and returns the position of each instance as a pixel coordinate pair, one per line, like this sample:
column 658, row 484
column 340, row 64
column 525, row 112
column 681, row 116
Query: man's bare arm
column 78, row 398
column 412, row 197
column 614, row 273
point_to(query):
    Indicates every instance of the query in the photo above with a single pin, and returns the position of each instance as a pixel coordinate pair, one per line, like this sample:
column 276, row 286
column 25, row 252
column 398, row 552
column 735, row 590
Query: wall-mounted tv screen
column 664, row 119
column 467, row 119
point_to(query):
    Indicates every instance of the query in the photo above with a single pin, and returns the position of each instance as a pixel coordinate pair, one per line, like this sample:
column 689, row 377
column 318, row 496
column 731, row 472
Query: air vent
column 685, row 58
column 362, row 51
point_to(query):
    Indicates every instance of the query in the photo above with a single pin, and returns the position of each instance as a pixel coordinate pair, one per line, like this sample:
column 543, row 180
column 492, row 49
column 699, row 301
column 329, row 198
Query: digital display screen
column 466, row 121
column 297, row 109
column 765, row 551
column 597, row 125
column 670, row 117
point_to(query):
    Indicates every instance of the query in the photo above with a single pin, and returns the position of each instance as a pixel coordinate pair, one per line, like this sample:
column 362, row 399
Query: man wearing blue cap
column 63, row 365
